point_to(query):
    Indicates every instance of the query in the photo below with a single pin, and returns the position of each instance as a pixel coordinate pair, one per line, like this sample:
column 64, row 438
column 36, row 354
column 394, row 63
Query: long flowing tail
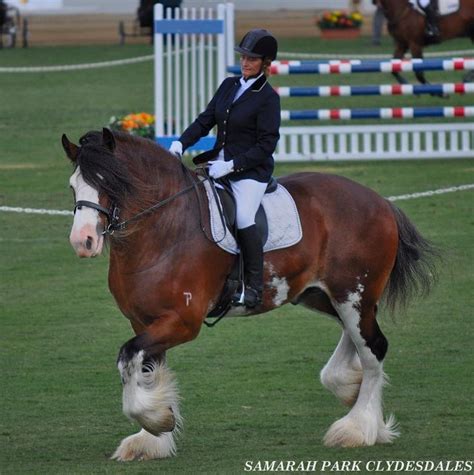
column 415, row 269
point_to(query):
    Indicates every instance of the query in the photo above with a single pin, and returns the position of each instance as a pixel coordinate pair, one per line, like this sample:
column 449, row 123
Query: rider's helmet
column 258, row 44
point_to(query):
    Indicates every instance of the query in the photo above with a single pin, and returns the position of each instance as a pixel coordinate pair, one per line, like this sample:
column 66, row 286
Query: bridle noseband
column 111, row 214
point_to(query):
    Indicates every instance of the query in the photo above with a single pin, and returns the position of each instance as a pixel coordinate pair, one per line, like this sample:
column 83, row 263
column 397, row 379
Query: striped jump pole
column 342, row 67
column 378, row 113
column 379, row 90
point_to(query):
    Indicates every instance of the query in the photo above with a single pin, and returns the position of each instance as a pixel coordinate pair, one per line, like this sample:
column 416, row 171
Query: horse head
column 97, row 177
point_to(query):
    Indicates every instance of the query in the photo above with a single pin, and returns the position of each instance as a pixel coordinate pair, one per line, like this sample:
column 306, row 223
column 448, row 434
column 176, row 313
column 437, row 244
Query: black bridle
column 112, row 214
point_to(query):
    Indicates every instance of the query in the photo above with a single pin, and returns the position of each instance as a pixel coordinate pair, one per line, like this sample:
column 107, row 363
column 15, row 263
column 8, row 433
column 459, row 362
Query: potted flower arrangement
column 339, row 24
column 141, row 124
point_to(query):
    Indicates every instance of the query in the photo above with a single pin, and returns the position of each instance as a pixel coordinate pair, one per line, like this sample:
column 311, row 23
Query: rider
column 246, row 111
column 431, row 12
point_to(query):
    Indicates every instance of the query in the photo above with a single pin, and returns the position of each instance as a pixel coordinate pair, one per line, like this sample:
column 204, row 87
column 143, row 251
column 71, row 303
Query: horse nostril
column 89, row 243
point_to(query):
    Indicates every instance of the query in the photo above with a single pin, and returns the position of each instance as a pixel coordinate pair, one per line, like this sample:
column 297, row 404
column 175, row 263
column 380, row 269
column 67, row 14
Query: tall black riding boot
column 431, row 28
column 252, row 252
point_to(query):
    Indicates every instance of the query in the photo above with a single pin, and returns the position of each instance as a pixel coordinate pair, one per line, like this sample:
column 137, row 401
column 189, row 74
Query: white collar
column 246, row 84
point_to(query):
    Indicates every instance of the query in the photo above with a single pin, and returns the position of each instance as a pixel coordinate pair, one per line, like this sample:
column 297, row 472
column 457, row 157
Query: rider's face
column 250, row 66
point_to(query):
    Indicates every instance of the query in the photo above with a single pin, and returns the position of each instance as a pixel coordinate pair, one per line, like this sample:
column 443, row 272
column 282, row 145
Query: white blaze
column 84, row 237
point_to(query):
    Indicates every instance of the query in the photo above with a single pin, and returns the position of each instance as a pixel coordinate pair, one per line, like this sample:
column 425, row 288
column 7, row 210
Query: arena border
column 408, row 196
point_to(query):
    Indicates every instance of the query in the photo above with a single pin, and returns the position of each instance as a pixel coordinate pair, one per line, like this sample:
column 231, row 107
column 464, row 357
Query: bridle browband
column 112, row 214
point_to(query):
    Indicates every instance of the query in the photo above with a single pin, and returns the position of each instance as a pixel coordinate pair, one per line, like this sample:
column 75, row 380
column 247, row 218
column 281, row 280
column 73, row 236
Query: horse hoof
column 145, row 446
column 166, row 423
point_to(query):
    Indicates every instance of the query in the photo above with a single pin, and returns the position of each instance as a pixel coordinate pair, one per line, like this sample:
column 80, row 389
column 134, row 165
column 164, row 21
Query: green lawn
column 249, row 386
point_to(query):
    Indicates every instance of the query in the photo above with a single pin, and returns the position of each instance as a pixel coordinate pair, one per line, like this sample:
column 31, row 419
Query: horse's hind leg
column 399, row 53
column 342, row 374
column 364, row 424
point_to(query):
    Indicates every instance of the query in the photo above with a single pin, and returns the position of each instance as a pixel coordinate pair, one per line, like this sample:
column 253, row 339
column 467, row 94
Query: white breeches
column 424, row 3
column 248, row 196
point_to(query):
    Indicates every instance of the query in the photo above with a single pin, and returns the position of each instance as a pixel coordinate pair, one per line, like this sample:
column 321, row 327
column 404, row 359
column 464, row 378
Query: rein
column 112, row 214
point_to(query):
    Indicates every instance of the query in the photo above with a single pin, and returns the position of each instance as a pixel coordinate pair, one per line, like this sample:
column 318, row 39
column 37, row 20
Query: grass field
column 249, row 386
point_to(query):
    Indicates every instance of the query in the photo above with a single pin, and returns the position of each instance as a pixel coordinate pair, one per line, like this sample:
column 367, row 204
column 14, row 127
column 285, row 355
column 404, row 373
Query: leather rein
column 113, row 213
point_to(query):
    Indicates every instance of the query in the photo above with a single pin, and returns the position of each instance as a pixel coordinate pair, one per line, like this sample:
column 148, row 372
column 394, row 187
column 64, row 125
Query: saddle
column 227, row 200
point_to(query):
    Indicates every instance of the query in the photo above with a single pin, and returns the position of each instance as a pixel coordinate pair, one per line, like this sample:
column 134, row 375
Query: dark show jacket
column 247, row 130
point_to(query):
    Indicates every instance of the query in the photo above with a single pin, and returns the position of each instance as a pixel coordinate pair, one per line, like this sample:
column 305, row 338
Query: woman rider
column 246, row 111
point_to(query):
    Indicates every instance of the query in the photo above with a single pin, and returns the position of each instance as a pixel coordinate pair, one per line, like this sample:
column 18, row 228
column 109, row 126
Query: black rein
column 112, row 214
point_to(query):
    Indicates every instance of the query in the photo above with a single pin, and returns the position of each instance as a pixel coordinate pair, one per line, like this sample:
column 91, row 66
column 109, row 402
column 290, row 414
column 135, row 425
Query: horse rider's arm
column 204, row 122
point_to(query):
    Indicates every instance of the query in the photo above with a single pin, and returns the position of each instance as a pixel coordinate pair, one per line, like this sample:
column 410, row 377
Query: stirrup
column 238, row 299
column 252, row 297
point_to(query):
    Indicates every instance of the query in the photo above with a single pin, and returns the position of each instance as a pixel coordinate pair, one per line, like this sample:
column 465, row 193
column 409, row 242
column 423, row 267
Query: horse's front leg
column 150, row 394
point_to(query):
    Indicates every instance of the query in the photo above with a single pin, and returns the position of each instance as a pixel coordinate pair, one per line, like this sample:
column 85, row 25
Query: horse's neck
column 158, row 177
column 170, row 221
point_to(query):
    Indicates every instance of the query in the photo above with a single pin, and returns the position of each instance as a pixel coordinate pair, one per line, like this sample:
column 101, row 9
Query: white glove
column 176, row 148
column 220, row 168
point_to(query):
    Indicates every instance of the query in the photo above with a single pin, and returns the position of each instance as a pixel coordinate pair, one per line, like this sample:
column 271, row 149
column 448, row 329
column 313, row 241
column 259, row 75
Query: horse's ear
column 108, row 139
column 69, row 148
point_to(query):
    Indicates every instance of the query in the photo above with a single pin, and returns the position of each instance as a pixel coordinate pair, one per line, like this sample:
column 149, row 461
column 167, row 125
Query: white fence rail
column 199, row 48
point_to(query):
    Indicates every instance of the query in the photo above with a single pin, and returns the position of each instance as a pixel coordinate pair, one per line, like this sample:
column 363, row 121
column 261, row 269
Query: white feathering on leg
column 151, row 398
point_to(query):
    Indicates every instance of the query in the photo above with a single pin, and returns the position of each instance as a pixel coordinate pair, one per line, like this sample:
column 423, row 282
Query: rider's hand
column 176, row 148
column 220, row 168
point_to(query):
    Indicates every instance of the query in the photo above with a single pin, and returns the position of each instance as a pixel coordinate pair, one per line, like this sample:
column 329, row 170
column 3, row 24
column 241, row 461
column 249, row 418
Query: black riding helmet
column 258, row 44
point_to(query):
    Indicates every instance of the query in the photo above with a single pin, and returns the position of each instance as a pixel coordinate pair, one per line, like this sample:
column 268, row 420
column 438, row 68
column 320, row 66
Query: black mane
column 101, row 169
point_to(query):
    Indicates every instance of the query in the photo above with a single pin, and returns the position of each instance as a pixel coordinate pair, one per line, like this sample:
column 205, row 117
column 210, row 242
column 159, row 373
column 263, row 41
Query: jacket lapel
column 232, row 92
column 256, row 87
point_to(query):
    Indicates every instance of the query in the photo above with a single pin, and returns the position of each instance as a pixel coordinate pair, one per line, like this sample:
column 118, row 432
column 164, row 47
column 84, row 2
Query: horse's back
column 333, row 192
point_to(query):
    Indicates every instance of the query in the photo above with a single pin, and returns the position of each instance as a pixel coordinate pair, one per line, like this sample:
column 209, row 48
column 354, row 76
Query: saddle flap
column 283, row 221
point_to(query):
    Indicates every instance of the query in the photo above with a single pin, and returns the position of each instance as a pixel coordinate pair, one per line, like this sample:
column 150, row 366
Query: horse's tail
column 415, row 269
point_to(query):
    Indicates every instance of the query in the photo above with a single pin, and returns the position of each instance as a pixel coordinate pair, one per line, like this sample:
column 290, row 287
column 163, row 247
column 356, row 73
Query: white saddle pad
column 284, row 225
column 445, row 7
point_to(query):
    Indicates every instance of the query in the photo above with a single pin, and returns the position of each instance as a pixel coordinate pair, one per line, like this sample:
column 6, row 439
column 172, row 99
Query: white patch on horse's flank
column 281, row 286
column 353, row 300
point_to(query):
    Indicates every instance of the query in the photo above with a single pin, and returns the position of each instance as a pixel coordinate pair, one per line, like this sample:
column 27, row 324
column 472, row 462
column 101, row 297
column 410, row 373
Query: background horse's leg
column 342, row 374
column 399, row 53
column 417, row 53
column 364, row 424
column 149, row 397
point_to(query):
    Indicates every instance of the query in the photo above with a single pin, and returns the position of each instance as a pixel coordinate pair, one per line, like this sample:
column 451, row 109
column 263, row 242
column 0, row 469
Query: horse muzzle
column 86, row 242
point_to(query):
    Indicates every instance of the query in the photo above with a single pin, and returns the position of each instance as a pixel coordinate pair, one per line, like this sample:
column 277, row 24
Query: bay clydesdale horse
column 166, row 275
